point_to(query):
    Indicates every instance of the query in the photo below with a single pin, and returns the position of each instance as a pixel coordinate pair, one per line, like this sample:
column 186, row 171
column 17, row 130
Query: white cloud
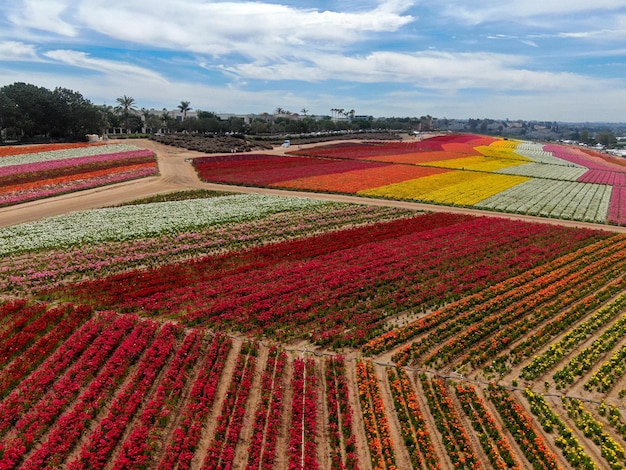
column 43, row 15
column 85, row 61
column 250, row 28
column 487, row 11
column 434, row 70
column 14, row 51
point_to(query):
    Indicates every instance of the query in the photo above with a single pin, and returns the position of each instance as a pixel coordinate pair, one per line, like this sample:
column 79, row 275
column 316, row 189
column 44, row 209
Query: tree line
column 29, row 113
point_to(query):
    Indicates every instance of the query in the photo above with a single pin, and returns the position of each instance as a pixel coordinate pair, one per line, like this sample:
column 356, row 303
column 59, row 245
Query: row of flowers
column 103, row 439
column 28, row 272
column 523, row 430
column 36, row 341
column 414, row 430
column 29, row 176
column 377, row 429
column 551, row 422
column 529, row 344
column 337, row 288
column 140, row 445
column 77, row 396
column 557, row 351
column 342, row 439
column 35, row 156
column 303, row 434
column 78, row 182
column 548, row 302
column 130, row 222
column 12, row 150
column 455, row 437
column 463, row 325
column 42, row 384
column 611, row 450
column 262, row 449
column 491, row 437
column 587, row 357
column 569, row 200
column 184, row 439
column 221, row 451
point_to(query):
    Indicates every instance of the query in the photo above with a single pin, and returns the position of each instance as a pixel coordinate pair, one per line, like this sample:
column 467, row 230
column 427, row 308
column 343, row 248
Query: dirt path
column 176, row 174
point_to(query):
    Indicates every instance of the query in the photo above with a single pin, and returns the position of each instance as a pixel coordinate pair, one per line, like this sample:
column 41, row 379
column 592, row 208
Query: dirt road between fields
column 176, row 174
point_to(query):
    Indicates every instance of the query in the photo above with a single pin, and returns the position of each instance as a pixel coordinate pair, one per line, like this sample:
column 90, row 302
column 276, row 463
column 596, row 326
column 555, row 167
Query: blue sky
column 530, row 59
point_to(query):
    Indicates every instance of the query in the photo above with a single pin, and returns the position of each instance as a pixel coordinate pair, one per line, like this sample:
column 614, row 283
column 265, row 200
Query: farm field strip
column 30, row 176
column 303, row 436
column 455, row 436
column 457, row 316
column 31, row 271
column 127, row 223
column 80, row 152
column 539, row 170
column 415, row 433
column 285, row 290
column 379, row 439
column 262, row 449
column 341, row 434
column 496, row 175
column 566, row 200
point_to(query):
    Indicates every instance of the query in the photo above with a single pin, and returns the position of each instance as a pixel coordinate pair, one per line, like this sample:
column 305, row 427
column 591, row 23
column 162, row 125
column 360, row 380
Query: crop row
column 377, row 429
column 448, row 422
column 523, row 430
column 493, row 441
column 584, row 359
column 132, row 222
column 341, row 434
column 221, row 451
column 535, row 339
column 28, row 272
column 262, row 449
column 76, row 395
column 184, row 439
column 29, row 176
column 339, row 288
column 303, row 435
column 551, row 422
column 417, row 438
column 463, row 325
column 611, row 450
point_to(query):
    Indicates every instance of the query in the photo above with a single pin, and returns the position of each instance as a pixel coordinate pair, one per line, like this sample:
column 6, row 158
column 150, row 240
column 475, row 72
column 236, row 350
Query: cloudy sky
column 529, row 59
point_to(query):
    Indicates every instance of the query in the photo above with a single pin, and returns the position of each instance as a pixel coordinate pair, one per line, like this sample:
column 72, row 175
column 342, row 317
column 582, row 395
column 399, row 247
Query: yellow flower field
column 455, row 187
column 499, row 151
column 477, row 163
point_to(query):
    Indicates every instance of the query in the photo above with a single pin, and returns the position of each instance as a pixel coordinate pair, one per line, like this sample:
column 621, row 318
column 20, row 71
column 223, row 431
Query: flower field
column 264, row 332
column 459, row 170
column 35, row 172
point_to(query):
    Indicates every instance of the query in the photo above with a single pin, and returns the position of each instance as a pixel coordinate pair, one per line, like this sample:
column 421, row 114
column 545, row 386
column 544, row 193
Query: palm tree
column 165, row 118
column 126, row 104
column 184, row 107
